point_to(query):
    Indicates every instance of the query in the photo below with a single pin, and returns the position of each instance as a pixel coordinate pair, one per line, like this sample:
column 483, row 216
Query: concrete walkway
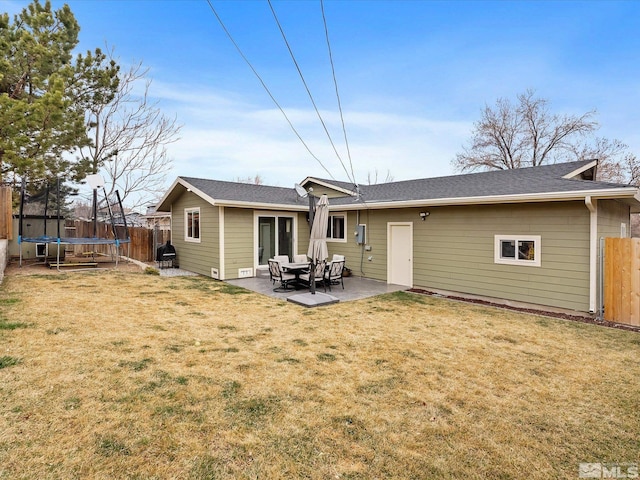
column 355, row 288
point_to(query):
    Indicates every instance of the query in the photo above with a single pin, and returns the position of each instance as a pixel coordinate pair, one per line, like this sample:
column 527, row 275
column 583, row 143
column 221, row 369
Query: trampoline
column 111, row 205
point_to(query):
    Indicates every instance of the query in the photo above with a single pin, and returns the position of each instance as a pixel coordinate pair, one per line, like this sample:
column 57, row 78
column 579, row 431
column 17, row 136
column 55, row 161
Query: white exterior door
column 400, row 253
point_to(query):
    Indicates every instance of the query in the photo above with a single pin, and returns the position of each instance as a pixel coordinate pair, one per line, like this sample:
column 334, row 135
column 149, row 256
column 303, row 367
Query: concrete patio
column 355, row 288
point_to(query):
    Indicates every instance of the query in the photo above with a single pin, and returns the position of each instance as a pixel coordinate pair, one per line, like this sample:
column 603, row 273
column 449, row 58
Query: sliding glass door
column 275, row 237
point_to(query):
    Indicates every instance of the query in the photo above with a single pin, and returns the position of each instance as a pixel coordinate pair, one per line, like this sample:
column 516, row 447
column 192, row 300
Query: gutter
column 579, row 195
column 592, row 205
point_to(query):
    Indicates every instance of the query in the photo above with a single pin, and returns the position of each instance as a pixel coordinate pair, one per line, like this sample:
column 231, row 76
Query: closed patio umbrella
column 318, row 238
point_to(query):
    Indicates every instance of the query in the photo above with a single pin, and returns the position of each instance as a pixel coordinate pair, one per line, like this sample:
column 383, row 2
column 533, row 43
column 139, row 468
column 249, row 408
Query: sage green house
column 529, row 235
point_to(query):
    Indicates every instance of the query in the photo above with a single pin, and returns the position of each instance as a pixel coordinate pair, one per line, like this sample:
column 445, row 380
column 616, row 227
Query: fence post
column 6, row 210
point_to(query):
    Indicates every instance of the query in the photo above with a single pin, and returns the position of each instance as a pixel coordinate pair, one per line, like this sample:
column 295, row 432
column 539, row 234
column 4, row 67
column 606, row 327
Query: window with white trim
column 518, row 250
column 336, row 227
column 192, row 224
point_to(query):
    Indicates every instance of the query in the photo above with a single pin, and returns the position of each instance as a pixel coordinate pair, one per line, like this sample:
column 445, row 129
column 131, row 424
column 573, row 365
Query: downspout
column 221, row 244
column 592, row 205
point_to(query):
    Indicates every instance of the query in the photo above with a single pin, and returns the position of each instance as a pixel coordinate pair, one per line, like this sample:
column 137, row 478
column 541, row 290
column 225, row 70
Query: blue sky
column 412, row 76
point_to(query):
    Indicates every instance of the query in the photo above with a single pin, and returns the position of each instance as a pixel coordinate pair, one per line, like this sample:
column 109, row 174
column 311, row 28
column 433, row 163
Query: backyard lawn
column 114, row 375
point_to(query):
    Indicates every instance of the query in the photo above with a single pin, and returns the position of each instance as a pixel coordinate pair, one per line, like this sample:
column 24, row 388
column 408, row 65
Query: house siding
column 238, row 241
column 303, row 233
column 355, row 257
column 454, row 250
column 196, row 257
column 610, row 215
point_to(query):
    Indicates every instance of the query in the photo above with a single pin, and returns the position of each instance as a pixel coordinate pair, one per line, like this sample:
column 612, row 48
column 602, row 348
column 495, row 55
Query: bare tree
column 82, row 209
column 257, row 180
column 615, row 162
column 526, row 134
column 372, row 178
column 522, row 135
column 130, row 137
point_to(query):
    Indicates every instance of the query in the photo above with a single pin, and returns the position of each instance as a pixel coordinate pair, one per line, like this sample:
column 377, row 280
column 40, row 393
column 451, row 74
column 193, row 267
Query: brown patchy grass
column 125, row 375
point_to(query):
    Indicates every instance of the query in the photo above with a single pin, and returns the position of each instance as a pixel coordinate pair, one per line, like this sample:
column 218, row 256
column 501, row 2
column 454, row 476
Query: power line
column 265, row 87
column 295, row 62
column 335, row 83
column 359, row 196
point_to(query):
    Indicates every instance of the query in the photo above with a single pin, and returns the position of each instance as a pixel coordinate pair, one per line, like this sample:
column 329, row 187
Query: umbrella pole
column 312, row 271
column 312, row 279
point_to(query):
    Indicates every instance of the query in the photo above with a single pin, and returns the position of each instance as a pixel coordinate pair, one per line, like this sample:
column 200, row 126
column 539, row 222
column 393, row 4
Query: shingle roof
column 246, row 192
column 532, row 181
column 523, row 181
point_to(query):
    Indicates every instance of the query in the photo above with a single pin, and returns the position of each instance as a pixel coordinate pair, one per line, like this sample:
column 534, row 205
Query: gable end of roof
column 588, row 171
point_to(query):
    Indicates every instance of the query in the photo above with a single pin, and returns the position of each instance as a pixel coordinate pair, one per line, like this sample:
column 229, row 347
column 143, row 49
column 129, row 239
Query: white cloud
column 225, row 137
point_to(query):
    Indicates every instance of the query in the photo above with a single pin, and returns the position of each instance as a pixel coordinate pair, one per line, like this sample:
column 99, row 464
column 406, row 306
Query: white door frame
column 390, row 226
column 275, row 214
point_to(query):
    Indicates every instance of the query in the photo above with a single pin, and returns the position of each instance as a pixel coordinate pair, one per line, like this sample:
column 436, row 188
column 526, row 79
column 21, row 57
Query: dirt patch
column 534, row 311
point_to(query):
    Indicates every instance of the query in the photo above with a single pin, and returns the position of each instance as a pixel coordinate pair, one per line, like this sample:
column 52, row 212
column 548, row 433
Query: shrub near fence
column 142, row 239
column 622, row 280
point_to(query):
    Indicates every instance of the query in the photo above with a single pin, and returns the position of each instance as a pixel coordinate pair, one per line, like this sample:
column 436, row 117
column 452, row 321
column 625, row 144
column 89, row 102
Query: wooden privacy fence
column 141, row 248
column 622, row 280
column 6, row 218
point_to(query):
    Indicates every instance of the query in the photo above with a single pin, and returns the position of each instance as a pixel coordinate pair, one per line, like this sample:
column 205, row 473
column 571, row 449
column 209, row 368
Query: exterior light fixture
column 424, row 215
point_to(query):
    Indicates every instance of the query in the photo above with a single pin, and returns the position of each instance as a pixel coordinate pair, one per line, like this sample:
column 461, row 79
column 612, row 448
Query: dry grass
column 125, row 375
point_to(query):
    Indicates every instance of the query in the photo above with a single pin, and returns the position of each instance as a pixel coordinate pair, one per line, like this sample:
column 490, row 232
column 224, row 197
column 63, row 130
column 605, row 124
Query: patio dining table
column 296, row 269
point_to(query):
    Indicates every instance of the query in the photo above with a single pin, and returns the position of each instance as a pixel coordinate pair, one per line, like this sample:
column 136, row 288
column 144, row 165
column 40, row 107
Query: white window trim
column 537, row 246
column 339, row 214
column 187, row 211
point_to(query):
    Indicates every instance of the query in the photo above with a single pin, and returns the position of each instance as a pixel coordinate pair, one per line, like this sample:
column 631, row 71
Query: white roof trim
column 168, row 192
column 580, row 170
column 261, row 206
column 328, row 185
column 614, row 193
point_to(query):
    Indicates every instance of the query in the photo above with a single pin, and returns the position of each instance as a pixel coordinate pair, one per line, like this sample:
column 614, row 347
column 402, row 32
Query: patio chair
column 318, row 275
column 277, row 275
column 302, row 258
column 281, row 259
column 337, row 258
column 333, row 276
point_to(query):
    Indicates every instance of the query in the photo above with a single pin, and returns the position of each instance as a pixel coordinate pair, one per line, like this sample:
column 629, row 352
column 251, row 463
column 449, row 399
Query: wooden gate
column 622, row 280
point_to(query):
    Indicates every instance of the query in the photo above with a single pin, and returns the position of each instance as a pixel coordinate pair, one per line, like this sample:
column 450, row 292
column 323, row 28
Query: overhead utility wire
column 308, row 91
column 265, row 87
column 335, row 83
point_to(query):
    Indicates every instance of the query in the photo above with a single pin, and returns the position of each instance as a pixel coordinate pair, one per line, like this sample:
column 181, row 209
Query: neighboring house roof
column 565, row 181
column 152, row 214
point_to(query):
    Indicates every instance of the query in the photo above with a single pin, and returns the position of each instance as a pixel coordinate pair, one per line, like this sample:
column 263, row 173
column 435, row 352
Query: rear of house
column 523, row 236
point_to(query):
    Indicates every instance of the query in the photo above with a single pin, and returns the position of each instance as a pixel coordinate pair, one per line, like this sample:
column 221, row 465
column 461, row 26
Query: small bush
column 151, row 271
